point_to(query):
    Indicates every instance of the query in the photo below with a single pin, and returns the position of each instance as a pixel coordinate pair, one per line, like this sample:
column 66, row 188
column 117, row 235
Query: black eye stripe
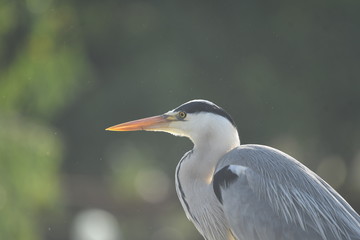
column 203, row 106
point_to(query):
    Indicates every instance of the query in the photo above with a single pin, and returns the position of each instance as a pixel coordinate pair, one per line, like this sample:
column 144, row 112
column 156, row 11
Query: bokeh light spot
column 95, row 224
column 152, row 185
column 333, row 170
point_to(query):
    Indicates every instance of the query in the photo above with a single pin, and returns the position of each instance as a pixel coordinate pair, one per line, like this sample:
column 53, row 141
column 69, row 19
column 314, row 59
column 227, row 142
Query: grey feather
column 247, row 192
column 277, row 197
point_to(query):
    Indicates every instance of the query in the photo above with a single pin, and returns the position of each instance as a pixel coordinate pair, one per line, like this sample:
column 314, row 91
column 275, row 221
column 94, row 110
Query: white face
column 184, row 125
column 199, row 125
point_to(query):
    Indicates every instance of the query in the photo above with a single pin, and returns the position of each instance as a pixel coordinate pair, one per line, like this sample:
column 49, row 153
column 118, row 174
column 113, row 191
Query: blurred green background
column 287, row 71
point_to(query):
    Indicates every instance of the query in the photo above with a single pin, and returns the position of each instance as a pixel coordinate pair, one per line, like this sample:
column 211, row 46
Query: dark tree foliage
column 286, row 71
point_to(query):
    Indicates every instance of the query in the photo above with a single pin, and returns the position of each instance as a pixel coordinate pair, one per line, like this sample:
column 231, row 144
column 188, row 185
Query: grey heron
column 247, row 192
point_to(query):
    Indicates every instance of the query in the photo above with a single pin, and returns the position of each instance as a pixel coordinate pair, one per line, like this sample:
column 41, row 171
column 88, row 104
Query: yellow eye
column 182, row 115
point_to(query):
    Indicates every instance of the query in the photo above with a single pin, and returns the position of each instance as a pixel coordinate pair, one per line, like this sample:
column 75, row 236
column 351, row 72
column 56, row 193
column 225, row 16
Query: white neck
column 218, row 135
column 212, row 139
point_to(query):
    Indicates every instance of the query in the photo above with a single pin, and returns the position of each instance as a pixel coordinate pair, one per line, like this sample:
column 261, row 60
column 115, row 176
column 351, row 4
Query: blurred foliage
column 41, row 69
column 287, row 71
column 42, row 62
column 29, row 183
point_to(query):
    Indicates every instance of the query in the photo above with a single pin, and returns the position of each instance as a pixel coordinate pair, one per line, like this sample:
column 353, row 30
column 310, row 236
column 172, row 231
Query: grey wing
column 249, row 216
column 266, row 194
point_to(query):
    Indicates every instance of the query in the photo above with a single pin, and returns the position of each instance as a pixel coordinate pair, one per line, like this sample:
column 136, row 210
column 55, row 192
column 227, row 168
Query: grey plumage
column 287, row 199
column 247, row 192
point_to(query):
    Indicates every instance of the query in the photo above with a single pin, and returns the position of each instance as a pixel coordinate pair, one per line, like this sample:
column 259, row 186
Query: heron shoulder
column 289, row 188
column 225, row 177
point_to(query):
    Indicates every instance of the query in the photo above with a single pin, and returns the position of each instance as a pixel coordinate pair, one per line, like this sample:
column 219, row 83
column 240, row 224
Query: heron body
column 247, row 192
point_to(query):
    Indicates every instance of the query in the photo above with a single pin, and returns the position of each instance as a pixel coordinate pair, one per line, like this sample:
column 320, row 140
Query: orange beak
column 147, row 124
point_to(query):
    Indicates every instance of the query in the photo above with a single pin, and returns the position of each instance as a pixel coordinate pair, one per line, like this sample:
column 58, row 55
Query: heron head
column 193, row 119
